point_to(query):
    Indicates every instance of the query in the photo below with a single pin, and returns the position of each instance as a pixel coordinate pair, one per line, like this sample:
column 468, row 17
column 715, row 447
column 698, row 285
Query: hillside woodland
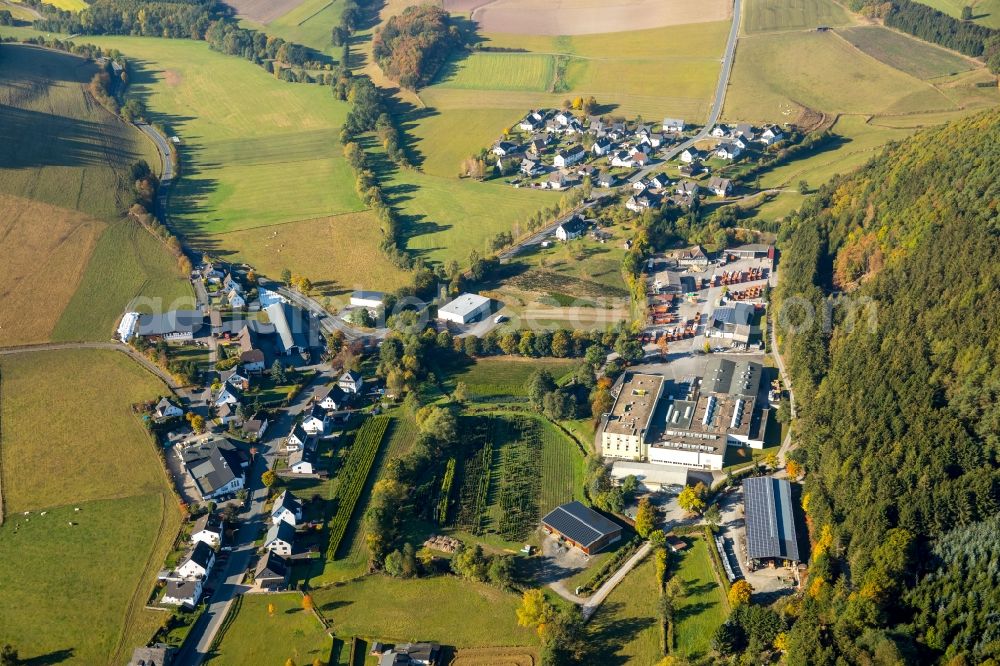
column 411, row 47
column 899, row 420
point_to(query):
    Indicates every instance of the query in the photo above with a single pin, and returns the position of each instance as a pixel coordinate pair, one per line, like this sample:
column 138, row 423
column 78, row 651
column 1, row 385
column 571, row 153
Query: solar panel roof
column 770, row 523
column 579, row 523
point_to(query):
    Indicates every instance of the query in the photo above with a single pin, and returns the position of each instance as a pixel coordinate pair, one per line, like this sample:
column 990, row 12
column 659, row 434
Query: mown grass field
column 626, row 627
column 443, row 149
column 498, row 71
column 68, row 5
column 984, row 12
column 774, row 15
column 452, row 611
column 836, row 78
column 505, row 376
column 255, row 150
column 257, row 637
column 128, row 268
column 906, row 54
column 338, row 254
column 703, row 607
column 34, row 252
column 562, row 468
column 69, row 440
column 60, row 146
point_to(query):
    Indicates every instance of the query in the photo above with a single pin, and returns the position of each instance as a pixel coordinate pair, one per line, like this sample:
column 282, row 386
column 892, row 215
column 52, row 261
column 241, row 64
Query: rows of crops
column 520, row 480
column 476, row 477
column 352, row 478
column 445, row 496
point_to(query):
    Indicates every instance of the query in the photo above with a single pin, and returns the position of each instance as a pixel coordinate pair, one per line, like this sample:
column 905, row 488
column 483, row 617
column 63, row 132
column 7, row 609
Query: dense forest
column 935, row 26
column 888, row 311
column 411, row 47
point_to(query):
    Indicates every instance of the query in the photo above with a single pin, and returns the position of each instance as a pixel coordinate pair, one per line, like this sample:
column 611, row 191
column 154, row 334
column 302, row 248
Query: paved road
column 548, row 229
column 717, row 102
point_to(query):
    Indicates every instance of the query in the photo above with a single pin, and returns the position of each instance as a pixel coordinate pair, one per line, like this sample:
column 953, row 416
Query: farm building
column 172, row 326
column 278, row 315
column 582, row 527
column 627, row 427
column 751, row 251
column 770, row 521
column 465, row 309
column 372, row 300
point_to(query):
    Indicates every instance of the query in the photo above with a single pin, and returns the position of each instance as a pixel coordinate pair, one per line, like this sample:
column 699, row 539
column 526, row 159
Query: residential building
column 771, row 135
column 686, row 188
column 233, row 377
column 532, row 122
column 280, row 538
column 198, row 563
column 181, row 593
column 251, row 358
column 622, row 158
column 503, row 148
column 569, row 156
column 207, row 529
column 530, row 168
column 228, row 395
column 255, row 428
column 287, row 508
column 216, row 466
column 721, row 131
column 411, row 654
column 690, row 256
column 314, row 422
column 296, row 439
column 728, row 151
column 601, row 147
column 570, row 229
column 673, row 125
column 158, row 654
column 301, row 461
column 350, row 382
column 166, row 409
column 236, row 300
column 769, row 513
column 721, row 187
column 582, row 527
column 605, row 179
column 465, row 309
column 271, row 573
column 690, row 155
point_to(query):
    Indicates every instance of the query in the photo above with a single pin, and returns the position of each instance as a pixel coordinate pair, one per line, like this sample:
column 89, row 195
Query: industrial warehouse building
column 770, row 521
column 465, row 309
column 719, row 410
column 582, row 527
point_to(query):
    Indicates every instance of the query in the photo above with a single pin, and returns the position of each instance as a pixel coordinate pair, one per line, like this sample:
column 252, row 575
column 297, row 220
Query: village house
column 370, row 300
column 198, row 563
column 232, row 283
column 280, row 539
column 296, row 439
column 728, row 151
column 721, row 187
column 771, row 135
column 301, row 461
column 216, row 467
column 411, row 654
column 690, row 155
column 673, row 125
column 570, row 229
column 569, row 156
column 721, row 131
column 271, row 573
column 746, row 131
column 565, row 118
column 691, row 169
column 254, row 428
column 207, row 529
column 251, row 358
column 690, row 256
column 166, row 409
column 287, row 508
column 640, row 159
column 641, row 202
column 351, row 382
column 640, row 186
column 605, row 179
column 530, row 168
column 504, row 148
column 686, row 188
column 556, row 181
column 601, row 147
column 622, row 158
column 658, row 182
column 314, row 422
column 236, row 300
column 233, row 377
column 181, row 593
column 330, row 398
column 158, row 654
column 532, row 122
column 228, row 395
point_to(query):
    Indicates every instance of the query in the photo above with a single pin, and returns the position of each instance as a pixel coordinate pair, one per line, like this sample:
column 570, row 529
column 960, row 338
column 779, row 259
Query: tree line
column 897, row 401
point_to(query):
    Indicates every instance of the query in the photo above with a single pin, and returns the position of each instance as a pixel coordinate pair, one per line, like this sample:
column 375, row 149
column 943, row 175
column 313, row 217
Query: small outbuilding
column 582, row 527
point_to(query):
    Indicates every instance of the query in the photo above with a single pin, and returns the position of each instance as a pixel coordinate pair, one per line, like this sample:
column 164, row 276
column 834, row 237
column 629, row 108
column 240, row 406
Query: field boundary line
column 313, row 15
column 287, row 222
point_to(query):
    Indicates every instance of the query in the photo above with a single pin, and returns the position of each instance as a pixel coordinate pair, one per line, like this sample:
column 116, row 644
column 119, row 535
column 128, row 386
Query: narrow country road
column 167, row 164
column 590, row 607
column 547, row 230
column 717, row 103
column 111, row 346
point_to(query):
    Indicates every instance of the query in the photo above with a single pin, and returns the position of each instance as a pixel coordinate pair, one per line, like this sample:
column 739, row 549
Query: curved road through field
column 167, row 174
column 720, row 97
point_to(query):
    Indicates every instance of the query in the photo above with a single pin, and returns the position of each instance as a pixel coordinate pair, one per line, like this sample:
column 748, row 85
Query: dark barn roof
column 580, row 523
column 769, row 519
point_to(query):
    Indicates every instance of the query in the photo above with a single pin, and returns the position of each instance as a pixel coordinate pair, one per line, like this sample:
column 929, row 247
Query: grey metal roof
column 368, row 295
column 770, row 522
column 740, row 314
column 174, row 321
column 282, row 531
column 739, row 378
column 580, row 523
column 278, row 316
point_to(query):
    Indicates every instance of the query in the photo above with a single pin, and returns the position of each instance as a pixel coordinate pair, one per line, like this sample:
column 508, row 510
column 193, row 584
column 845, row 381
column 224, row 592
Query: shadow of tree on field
column 54, row 657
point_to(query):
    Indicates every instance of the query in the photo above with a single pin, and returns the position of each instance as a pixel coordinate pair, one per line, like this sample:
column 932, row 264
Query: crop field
column 59, row 247
column 506, row 376
column 703, row 607
column 353, row 476
column 774, row 15
column 572, row 17
column 70, row 441
column 338, row 254
column 906, row 54
column 836, row 78
column 984, row 12
column 60, row 146
column 245, row 165
column 258, row 637
column 496, row 657
column 128, row 266
column 452, row 611
column 499, row 71
column 625, row 628
column 308, row 23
